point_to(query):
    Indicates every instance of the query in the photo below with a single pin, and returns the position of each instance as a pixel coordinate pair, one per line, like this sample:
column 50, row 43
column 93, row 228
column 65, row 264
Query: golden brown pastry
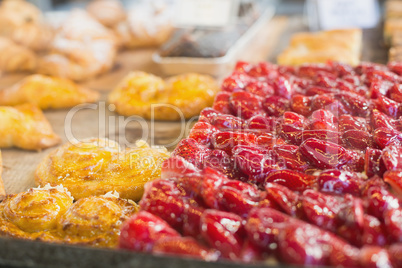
column 146, row 25
column 97, row 166
column 147, row 95
column 336, row 45
column 47, row 92
column 15, row 58
column 107, row 12
column 393, row 9
column 82, row 49
column 2, row 190
column 23, row 23
column 391, row 27
column 49, row 214
column 25, row 126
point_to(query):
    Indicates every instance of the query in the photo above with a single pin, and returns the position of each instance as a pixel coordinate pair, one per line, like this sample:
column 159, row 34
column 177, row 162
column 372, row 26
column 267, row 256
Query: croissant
column 15, row 58
column 23, row 23
column 2, row 191
column 49, row 214
column 150, row 96
column 82, row 49
column 97, row 166
column 47, row 92
column 107, row 12
column 25, row 126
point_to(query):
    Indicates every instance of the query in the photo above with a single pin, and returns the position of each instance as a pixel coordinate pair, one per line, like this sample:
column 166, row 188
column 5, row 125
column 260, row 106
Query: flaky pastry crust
column 49, row 214
column 107, row 12
column 47, row 93
column 25, row 126
column 16, row 58
column 97, row 166
column 149, row 96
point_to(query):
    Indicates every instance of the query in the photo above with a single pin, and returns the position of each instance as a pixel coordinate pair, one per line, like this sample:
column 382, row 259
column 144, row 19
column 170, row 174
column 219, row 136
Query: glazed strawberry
column 262, row 69
column 345, row 256
column 357, row 139
column 242, row 67
column 222, row 230
column 340, row 182
column 319, row 90
column 295, row 120
column 207, row 114
column 341, row 69
column 374, row 165
column 348, row 122
column 245, row 105
column 275, row 105
column 268, row 140
column 351, row 212
column 221, row 161
column 328, row 102
column 325, row 80
column 388, row 106
column 251, row 253
column 365, row 67
column 396, row 93
column 321, row 134
column 291, row 134
column 184, row 246
column 321, row 209
column 373, row 257
column 353, row 79
column 324, row 154
column 354, row 103
column 395, row 67
column 373, row 232
column 254, row 161
column 311, row 70
column 294, row 180
column 191, row 151
column 381, row 75
column 221, row 103
column 283, row 88
column 392, row 157
column 385, row 136
column 323, row 119
column 394, row 178
column 235, row 82
column 239, row 201
column 177, row 166
column 380, row 120
column 262, row 123
column 283, row 197
column 263, row 225
column 260, row 88
column 227, row 140
column 163, row 198
column 227, row 122
column 202, row 133
column 393, row 224
column 191, row 220
column 379, row 88
column 395, row 253
column 301, row 104
column 143, row 230
column 380, row 200
column 291, row 158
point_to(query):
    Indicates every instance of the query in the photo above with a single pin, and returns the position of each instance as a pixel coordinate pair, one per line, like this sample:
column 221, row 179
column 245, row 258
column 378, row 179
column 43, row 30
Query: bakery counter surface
column 99, row 120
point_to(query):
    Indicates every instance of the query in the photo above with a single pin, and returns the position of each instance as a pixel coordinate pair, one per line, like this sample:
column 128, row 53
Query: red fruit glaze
column 245, row 105
column 294, row 180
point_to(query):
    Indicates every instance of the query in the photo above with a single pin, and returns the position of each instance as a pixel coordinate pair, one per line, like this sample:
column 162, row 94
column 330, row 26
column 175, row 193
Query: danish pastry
column 97, row 166
column 82, row 49
column 150, row 96
column 336, row 45
column 2, row 191
column 47, row 92
column 107, row 12
column 25, row 126
column 146, row 25
column 23, row 23
column 49, row 214
column 16, row 58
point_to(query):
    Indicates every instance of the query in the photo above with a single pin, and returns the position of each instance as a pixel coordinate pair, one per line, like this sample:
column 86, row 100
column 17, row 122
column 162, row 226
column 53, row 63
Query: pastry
column 107, row 12
column 15, row 58
column 23, row 23
column 391, row 27
column 149, row 96
column 47, row 93
column 25, row 126
column 82, row 49
column 97, row 166
column 302, row 162
column 146, row 25
column 49, row 214
column 336, row 45
column 2, row 191
column 393, row 9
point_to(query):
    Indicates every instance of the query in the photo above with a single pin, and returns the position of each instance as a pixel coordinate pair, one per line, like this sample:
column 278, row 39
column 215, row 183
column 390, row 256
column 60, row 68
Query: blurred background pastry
column 107, row 12
column 16, row 58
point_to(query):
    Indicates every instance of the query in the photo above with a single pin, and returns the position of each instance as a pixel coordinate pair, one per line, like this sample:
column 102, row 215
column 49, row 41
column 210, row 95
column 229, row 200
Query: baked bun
column 47, row 93
column 49, row 214
column 97, row 166
column 26, row 127
column 107, row 12
column 178, row 97
column 16, row 58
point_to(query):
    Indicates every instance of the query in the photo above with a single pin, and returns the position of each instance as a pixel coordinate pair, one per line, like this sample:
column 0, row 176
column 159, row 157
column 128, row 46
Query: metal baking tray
column 25, row 253
column 213, row 66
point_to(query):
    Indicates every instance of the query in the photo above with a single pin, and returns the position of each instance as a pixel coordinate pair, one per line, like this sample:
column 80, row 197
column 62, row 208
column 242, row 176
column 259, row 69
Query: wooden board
column 19, row 165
